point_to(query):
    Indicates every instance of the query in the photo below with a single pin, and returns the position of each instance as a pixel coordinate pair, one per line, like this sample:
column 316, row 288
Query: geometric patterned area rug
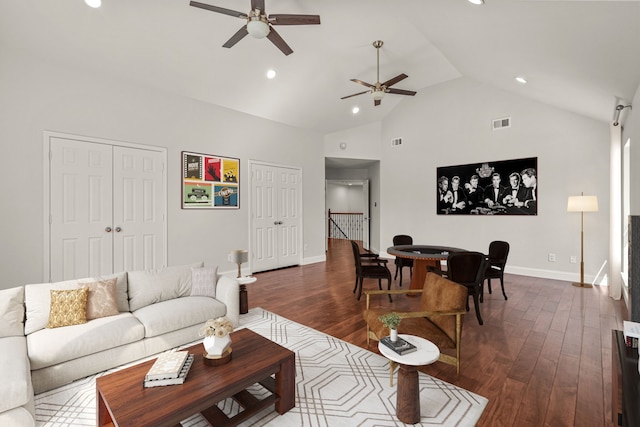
column 337, row 384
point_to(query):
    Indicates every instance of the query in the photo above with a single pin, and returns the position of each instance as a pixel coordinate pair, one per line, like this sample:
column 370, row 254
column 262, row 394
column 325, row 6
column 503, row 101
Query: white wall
column 450, row 124
column 632, row 130
column 363, row 142
column 38, row 96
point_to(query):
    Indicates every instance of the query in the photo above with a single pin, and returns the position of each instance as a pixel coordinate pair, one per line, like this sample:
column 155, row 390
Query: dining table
column 424, row 257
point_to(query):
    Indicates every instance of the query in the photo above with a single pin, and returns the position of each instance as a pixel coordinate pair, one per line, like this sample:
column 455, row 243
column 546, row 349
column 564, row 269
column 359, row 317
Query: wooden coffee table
column 123, row 401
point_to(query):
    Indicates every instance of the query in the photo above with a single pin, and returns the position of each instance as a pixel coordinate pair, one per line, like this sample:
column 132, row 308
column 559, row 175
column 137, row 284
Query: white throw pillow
column 203, row 281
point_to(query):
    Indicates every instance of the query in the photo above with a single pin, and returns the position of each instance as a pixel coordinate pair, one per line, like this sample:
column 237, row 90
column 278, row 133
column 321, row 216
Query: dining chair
column 402, row 239
column 372, row 268
column 496, row 261
column 438, row 319
column 467, row 269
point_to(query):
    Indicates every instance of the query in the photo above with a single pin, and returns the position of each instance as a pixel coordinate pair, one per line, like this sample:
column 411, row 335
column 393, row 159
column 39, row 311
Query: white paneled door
column 276, row 217
column 106, row 209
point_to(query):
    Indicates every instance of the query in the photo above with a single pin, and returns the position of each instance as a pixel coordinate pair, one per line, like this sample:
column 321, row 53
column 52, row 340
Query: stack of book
column 400, row 346
column 169, row 369
column 631, row 333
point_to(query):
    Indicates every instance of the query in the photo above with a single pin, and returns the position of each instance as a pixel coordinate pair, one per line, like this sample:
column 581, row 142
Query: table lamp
column 239, row 256
column 582, row 204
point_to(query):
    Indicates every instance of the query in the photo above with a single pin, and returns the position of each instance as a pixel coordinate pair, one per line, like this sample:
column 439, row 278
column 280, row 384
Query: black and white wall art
column 504, row 187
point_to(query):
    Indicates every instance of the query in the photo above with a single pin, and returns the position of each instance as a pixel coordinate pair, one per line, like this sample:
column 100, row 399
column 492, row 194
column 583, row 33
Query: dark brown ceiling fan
column 378, row 90
column 259, row 25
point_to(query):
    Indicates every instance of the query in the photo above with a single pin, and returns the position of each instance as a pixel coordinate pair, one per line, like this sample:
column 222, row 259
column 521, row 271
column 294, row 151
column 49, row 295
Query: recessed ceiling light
column 355, row 110
column 271, row 74
column 521, row 79
column 476, row 1
column 93, row 3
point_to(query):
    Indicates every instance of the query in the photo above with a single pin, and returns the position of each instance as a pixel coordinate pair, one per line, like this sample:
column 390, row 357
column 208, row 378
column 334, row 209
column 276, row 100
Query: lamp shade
column 258, row 29
column 582, row 204
column 239, row 256
column 378, row 95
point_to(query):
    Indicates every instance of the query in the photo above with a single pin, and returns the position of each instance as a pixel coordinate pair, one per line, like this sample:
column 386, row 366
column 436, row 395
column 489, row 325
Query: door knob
column 108, row 229
column 118, row 229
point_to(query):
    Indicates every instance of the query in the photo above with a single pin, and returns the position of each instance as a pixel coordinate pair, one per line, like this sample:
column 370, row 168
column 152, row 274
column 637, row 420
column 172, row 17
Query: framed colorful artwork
column 210, row 182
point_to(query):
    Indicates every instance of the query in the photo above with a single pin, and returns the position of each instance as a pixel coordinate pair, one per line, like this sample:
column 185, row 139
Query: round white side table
column 408, row 395
column 244, row 299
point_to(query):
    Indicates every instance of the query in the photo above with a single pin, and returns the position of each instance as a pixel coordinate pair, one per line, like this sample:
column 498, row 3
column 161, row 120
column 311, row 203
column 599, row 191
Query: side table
column 408, row 395
column 244, row 299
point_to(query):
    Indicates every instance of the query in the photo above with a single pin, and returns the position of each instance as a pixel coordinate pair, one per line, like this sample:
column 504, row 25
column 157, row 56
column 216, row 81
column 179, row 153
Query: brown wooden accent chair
column 373, row 268
column 496, row 261
column 439, row 319
column 402, row 239
column 467, row 269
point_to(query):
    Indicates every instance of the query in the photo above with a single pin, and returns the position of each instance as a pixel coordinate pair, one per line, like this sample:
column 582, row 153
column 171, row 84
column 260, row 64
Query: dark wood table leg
column 244, row 300
column 408, row 402
column 286, row 385
column 102, row 413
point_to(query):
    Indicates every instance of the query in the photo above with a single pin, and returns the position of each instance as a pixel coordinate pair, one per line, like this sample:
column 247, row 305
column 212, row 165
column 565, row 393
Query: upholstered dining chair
column 373, row 268
column 438, row 319
column 402, row 239
column 467, row 269
column 496, row 261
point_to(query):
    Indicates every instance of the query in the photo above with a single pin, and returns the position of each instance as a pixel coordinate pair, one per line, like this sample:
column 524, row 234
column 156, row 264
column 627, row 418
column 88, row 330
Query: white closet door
column 289, row 216
column 276, row 217
column 80, row 209
column 264, row 218
column 138, row 209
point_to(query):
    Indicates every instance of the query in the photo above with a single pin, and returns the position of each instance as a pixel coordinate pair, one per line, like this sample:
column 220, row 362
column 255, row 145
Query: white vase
column 216, row 346
column 394, row 335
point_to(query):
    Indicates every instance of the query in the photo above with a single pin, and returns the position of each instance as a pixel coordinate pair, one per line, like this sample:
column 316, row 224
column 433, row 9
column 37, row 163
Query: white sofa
column 157, row 311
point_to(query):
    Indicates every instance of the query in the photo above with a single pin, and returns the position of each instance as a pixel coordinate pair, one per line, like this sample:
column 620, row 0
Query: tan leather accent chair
column 442, row 309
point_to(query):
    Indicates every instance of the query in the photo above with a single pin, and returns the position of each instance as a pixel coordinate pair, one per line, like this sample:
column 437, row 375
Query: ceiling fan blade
column 279, row 42
column 239, row 35
column 376, row 102
column 218, row 9
column 395, row 80
column 284, row 19
column 363, row 83
column 257, row 4
column 401, row 92
column 355, row 94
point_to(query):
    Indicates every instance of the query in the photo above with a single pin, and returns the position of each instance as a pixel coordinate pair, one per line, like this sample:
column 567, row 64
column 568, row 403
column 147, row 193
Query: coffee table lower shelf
column 250, row 404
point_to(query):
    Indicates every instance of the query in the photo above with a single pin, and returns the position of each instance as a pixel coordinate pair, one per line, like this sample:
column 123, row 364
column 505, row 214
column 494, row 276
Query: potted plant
column 216, row 335
column 391, row 321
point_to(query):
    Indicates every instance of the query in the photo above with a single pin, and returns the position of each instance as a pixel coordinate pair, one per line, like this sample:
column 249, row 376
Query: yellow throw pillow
column 101, row 301
column 68, row 307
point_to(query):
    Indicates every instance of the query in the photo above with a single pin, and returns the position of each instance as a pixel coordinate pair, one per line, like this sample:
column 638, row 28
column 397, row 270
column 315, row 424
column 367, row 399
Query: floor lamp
column 582, row 204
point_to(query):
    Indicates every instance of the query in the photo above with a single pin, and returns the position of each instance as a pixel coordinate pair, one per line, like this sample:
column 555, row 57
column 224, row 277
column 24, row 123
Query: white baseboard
column 314, row 260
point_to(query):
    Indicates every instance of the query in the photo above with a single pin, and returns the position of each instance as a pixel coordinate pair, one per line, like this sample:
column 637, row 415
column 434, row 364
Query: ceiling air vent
column 501, row 123
column 396, row 141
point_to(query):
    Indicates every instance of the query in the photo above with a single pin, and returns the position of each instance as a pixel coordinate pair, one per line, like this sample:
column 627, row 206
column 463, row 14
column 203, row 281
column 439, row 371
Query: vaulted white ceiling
column 582, row 56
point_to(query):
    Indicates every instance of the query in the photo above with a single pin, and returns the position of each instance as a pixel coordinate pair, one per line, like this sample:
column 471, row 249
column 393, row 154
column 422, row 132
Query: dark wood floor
column 542, row 358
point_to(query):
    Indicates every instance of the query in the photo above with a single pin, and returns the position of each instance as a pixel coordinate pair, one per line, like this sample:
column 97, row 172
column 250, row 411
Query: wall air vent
column 396, row 141
column 505, row 122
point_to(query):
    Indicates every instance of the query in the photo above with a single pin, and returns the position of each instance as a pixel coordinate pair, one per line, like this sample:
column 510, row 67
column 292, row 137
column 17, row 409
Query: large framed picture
column 210, row 181
column 505, row 187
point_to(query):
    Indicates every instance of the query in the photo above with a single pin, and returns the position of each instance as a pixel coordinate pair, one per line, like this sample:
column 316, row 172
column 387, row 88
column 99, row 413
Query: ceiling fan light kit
column 379, row 90
column 257, row 28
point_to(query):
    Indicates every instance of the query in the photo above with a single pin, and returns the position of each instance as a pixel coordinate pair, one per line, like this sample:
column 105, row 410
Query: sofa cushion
column 185, row 312
column 203, row 281
column 12, row 312
column 101, row 301
column 16, row 387
column 49, row 347
column 121, row 288
column 153, row 286
column 68, row 307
